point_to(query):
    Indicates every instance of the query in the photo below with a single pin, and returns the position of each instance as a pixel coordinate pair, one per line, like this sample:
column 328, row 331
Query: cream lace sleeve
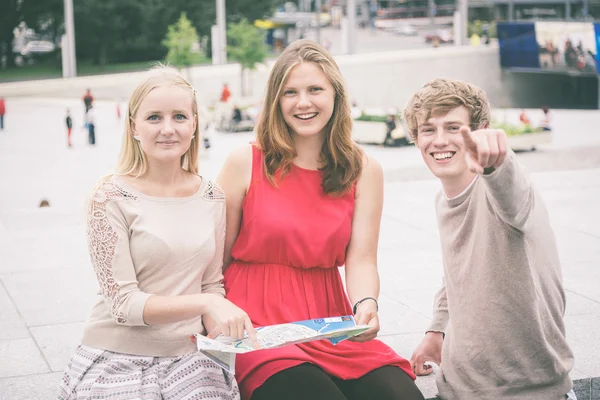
column 212, row 280
column 108, row 243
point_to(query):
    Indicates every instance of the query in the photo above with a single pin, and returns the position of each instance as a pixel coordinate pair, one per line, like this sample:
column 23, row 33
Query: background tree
column 180, row 39
column 104, row 28
column 203, row 13
column 116, row 31
column 10, row 17
column 246, row 45
column 45, row 17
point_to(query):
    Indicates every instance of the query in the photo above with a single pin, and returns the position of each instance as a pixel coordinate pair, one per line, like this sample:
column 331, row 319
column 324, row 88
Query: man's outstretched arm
column 508, row 187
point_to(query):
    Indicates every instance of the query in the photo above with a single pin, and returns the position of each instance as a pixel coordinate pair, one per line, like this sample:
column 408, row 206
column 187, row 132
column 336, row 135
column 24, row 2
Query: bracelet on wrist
column 364, row 299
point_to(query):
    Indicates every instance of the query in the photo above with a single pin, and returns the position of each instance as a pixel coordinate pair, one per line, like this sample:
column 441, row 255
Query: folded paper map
column 222, row 349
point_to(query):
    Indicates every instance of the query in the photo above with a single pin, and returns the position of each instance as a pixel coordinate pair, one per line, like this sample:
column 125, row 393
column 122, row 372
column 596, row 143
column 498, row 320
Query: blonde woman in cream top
column 156, row 232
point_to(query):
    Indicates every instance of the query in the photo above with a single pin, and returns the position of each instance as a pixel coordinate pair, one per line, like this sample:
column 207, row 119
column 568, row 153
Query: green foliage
column 45, row 17
column 515, row 130
column 246, row 44
column 180, row 39
column 376, row 118
column 371, row 118
column 477, row 27
column 118, row 31
column 106, row 29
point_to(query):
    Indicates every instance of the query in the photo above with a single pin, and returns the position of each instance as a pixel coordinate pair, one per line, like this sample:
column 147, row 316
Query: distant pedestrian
column 524, row 118
column 118, row 109
column 546, row 122
column 90, row 119
column 225, row 94
column 69, row 122
column 390, row 127
column 88, row 100
column 2, row 112
column 372, row 15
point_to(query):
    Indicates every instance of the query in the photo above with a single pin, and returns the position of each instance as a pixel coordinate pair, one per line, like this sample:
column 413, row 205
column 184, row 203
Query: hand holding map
column 222, row 349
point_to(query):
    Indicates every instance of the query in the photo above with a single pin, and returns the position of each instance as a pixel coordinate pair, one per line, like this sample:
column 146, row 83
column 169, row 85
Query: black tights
column 307, row 381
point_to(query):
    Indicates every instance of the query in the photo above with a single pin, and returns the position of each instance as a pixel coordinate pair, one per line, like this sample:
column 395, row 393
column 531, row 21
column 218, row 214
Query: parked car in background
column 37, row 47
column 34, row 51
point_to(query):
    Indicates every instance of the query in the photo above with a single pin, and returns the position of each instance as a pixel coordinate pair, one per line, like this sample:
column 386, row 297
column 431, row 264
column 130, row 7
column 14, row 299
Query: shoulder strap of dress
column 257, row 162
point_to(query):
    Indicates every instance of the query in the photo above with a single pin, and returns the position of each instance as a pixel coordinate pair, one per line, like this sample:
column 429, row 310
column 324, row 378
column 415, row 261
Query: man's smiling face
column 442, row 146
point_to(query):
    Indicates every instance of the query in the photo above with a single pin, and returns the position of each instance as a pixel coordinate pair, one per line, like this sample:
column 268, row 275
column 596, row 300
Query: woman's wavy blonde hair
column 132, row 160
column 341, row 157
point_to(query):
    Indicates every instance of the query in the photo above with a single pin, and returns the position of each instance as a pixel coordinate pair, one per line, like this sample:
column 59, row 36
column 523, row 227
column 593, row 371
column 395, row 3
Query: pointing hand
column 486, row 149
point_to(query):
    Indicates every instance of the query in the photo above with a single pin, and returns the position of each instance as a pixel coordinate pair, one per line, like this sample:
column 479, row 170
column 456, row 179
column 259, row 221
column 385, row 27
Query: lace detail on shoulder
column 102, row 240
column 213, row 192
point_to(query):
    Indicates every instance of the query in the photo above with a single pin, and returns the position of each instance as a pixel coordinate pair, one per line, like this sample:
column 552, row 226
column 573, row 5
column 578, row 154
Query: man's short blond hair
column 439, row 96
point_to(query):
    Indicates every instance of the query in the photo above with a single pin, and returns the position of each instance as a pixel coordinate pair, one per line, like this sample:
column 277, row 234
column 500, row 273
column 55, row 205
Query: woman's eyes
column 291, row 92
column 178, row 117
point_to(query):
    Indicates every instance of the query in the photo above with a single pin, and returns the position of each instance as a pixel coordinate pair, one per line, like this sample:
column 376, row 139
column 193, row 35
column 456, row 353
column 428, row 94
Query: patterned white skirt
column 99, row 374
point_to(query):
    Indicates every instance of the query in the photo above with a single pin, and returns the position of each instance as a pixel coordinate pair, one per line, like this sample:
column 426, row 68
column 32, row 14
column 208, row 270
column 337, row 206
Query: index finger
column 470, row 143
column 214, row 333
column 251, row 333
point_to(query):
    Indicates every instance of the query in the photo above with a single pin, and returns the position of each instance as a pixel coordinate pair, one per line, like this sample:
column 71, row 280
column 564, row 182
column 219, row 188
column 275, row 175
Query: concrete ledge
column 529, row 141
column 383, row 79
column 585, row 388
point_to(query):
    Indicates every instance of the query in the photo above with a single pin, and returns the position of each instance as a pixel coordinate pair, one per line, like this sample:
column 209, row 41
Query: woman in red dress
column 301, row 202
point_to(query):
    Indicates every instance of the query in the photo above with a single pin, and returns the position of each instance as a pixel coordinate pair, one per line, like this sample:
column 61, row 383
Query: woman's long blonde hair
column 132, row 160
column 341, row 157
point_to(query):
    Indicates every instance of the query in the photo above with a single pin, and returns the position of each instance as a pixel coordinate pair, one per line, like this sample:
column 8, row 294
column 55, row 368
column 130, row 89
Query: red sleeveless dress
column 292, row 239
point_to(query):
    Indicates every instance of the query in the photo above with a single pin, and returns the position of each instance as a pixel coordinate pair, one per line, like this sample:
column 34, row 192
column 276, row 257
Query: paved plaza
column 47, row 284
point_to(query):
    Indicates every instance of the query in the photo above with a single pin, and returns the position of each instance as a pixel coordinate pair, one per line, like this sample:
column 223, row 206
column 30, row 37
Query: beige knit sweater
column 142, row 245
column 503, row 301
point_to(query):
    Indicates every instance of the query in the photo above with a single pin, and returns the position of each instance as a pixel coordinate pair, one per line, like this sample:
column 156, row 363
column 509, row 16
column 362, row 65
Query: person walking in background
column 90, row 120
column 88, row 100
column 156, row 233
column 524, row 118
column 547, row 119
column 118, row 109
column 390, row 126
column 69, row 123
column 498, row 329
column 225, row 94
column 306, row 166
column 2, row 112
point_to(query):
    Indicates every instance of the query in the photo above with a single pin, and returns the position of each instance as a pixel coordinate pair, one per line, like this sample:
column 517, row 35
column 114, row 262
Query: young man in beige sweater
column 497, row 331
